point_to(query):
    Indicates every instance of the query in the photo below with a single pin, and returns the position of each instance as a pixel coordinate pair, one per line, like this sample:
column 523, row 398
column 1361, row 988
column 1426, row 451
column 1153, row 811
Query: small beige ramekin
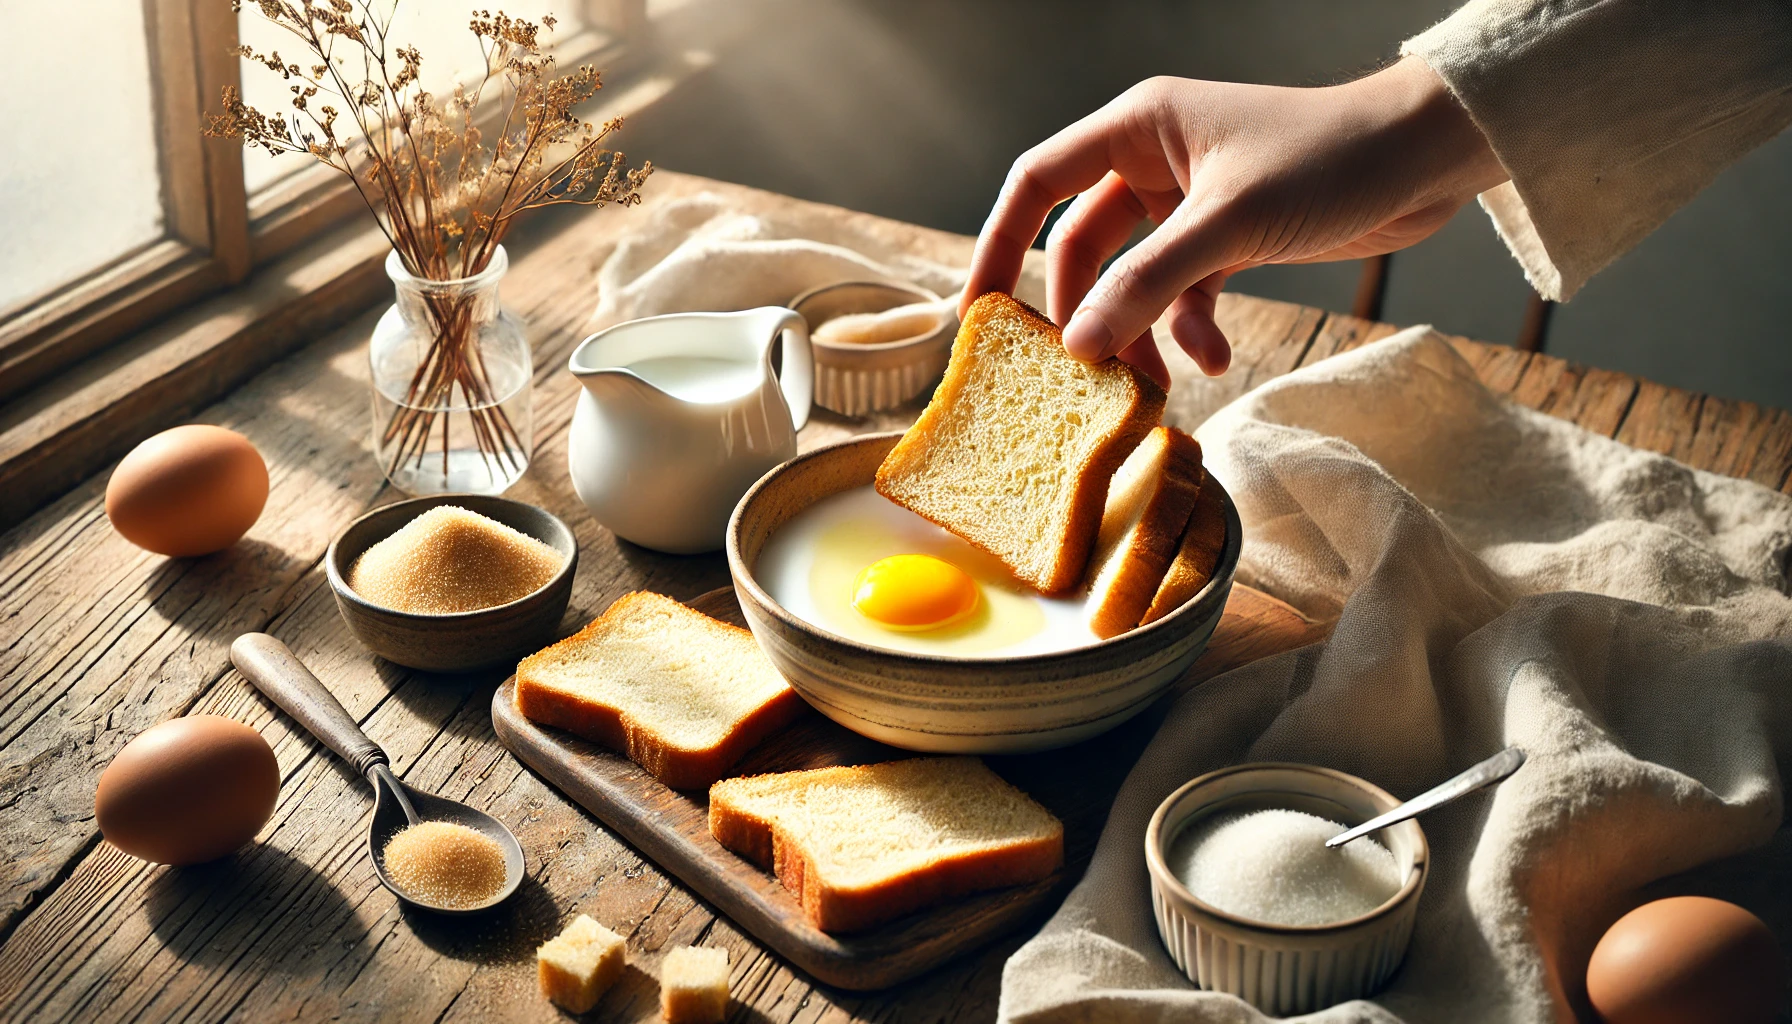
column 1284, row 970
column 854, row 380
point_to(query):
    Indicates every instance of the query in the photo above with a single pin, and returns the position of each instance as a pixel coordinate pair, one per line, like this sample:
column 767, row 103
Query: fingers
column 1143, row 354
column 1069, row 162
column 1193, row 326
column 1191, row 245
column 1094, row 228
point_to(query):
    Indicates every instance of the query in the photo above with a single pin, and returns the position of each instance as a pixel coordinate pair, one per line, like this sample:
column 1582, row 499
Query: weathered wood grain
column 1662, row 419
column 1725, row 436
column 1743, row 439
column 1339, row 333
column 1499, row 367
column 1268, row 339
column 98, row 641
column 1595, row 399
column 554, row 296
column 673, row 826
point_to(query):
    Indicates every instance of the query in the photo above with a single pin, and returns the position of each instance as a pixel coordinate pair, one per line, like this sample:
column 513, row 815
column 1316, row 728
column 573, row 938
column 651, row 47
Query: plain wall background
column 914, row 109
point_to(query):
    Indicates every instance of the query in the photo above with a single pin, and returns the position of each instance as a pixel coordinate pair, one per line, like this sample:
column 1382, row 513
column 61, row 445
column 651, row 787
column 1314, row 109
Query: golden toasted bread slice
column 1015, row 450
column 1197, row 555
column 1148, row 505
column 681, row 694
column 864, row 845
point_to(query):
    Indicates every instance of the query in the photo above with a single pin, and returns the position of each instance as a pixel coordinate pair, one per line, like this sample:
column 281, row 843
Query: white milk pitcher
column 680, row 414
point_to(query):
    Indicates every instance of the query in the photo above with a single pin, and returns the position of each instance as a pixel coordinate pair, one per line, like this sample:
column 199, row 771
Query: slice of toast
column 1015, row 450
column 1196, row 555
column 1141, row 528
column 683, row 695
column 864, row 845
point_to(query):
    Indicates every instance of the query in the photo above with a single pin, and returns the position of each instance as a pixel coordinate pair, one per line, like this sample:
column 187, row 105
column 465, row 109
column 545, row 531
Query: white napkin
column 1499, row 577
column 704, row 253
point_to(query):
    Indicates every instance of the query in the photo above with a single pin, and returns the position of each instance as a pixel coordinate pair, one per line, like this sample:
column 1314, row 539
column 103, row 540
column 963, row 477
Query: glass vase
column 451, row 385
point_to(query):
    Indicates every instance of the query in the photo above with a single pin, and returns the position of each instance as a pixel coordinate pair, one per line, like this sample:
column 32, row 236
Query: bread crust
column 835, row 910
column 677, row 766
column 1089, row 495
column 1196, row 555
column 1146, row 561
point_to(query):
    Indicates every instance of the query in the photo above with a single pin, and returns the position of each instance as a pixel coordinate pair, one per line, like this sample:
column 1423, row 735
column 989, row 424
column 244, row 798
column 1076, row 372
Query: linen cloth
column 1609, row 114
column 1498, row 577
column 705, row 253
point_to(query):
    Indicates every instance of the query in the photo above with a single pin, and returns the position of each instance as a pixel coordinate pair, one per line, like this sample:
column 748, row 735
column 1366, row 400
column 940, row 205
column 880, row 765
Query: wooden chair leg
column 1371, row 287
column 1533, row 334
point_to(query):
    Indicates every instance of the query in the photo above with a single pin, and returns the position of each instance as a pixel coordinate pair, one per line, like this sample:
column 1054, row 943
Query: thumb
column 1134, row 291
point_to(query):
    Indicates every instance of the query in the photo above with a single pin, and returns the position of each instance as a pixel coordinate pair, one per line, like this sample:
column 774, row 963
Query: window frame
column 215, row 234
column 204, row 245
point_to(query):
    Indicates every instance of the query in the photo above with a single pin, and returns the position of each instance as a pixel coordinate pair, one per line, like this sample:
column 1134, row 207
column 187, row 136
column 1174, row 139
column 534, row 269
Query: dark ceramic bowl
column 461, row 641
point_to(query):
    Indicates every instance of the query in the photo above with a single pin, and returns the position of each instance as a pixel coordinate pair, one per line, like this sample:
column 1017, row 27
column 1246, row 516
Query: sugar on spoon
column 1486, row 773
column 279, row 673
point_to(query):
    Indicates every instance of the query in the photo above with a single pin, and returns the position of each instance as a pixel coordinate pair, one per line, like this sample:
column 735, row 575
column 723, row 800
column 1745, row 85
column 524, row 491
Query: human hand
column 1234, row 176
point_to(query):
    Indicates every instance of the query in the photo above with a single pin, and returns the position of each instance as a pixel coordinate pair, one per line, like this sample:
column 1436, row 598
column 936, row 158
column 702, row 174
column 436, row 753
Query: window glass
column 80, row 184
column 437, row 28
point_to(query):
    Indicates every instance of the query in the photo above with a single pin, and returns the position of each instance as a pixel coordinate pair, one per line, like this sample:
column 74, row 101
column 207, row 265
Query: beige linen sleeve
column 1609, row 114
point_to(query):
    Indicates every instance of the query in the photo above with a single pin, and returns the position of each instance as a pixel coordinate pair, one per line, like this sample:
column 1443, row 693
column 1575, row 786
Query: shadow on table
column 636, row 996
column 177, row 584
column 740, row 1014
column 459, row 702
column 507, row 934
column 258, row 908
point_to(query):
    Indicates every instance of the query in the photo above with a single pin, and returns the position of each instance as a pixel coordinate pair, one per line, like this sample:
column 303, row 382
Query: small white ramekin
column 855, row 380
column 1280, row 969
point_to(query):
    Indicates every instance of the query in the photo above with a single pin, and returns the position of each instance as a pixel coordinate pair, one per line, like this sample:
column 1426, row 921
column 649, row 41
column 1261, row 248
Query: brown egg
column 188, row 790
column 1687, row 960
column 192, row 490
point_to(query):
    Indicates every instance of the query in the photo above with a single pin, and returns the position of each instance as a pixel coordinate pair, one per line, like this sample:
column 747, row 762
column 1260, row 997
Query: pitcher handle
column 796, row 377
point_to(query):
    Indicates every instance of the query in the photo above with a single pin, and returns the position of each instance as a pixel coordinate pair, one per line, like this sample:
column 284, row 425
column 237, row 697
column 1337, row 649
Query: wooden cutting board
column 671, row 827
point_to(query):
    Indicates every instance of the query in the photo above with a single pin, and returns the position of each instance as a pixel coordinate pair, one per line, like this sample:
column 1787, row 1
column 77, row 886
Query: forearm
column 1428, row 124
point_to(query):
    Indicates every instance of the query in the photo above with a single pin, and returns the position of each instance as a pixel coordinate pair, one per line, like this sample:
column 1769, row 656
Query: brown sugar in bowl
column 454, row 641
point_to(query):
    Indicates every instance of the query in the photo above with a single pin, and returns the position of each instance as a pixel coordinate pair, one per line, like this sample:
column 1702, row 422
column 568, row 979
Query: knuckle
column 1239, row 212
column 1153, row 91
column 1024, row 177
column 1065, row 244
column 1126, row 286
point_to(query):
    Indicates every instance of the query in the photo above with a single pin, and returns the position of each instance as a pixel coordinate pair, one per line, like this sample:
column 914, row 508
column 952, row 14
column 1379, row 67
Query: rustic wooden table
column 99, row 641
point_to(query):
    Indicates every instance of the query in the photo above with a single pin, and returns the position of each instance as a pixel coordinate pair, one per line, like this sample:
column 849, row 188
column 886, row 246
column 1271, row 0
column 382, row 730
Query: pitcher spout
column 681, row 414
column 601, row 365
column 605, row 381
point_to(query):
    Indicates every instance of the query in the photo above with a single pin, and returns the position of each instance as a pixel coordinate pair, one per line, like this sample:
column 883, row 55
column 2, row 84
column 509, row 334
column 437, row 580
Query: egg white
column 809, row 566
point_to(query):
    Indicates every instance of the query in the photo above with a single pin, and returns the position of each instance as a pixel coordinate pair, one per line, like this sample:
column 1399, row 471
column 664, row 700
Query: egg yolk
column 914, row 592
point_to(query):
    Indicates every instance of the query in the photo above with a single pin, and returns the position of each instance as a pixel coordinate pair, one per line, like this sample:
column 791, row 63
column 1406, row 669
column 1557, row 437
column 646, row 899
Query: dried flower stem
column 442, row 196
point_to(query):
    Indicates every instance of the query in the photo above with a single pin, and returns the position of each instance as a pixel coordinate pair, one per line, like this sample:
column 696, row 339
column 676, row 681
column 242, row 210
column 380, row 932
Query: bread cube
column 579, row 964
column 694, row 985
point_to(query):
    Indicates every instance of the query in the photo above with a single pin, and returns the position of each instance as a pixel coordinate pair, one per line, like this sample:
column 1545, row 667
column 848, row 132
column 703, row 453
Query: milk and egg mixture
column 860, row 566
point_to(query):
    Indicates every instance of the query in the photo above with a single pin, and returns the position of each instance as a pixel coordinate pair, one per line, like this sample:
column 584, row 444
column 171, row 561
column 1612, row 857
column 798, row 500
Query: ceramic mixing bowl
column 462, row 641
column 959, row 705
column 1284, row 969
